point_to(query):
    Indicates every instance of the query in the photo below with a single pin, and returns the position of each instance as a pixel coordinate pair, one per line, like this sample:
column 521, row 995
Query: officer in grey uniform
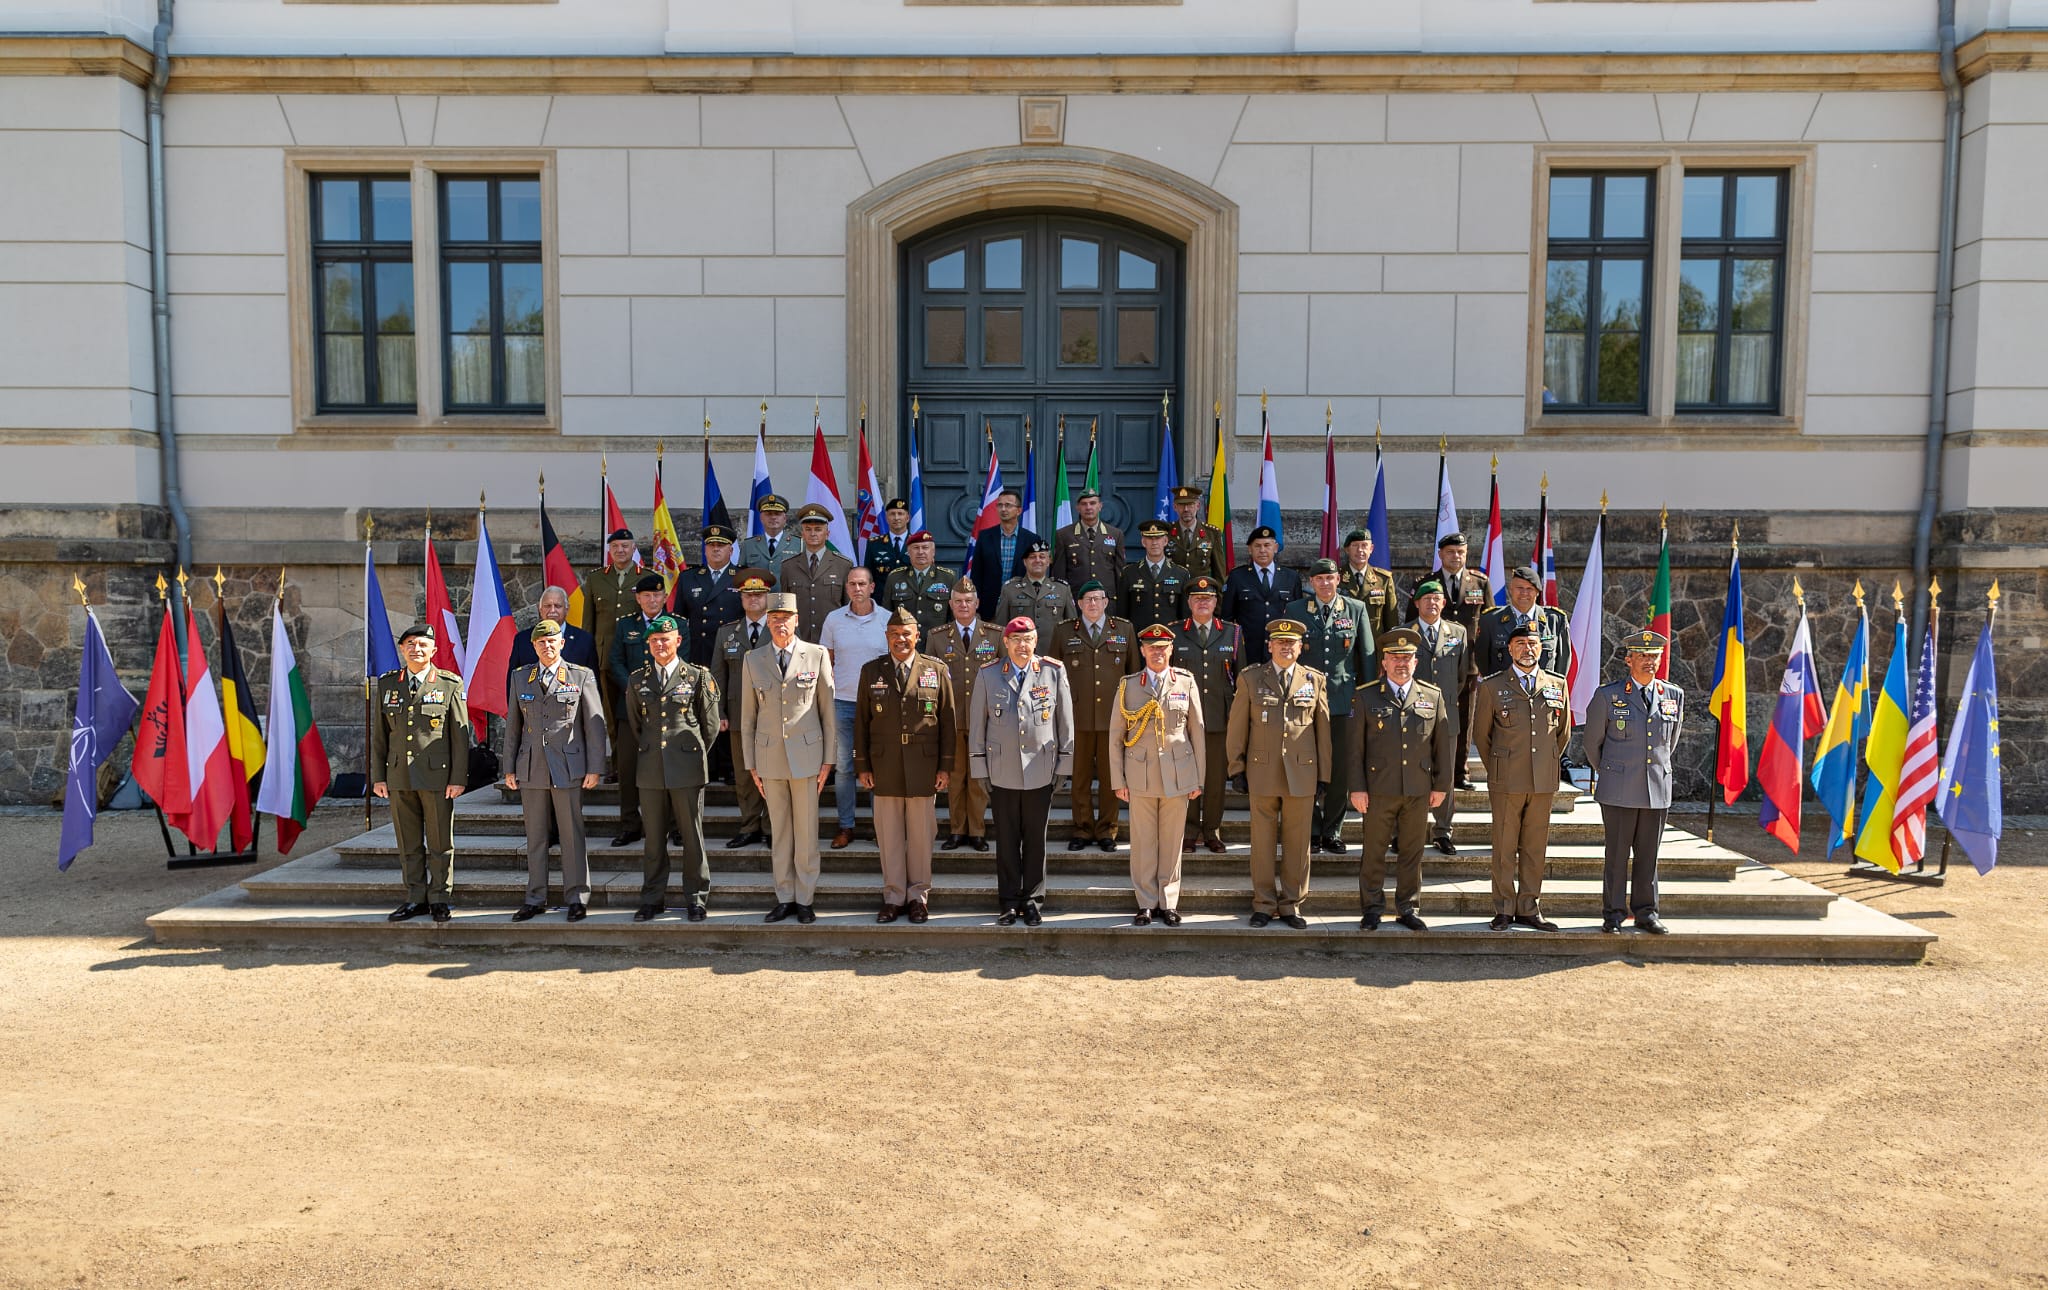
column 419, row 743
column 1020, row 738
column 672, row 708
column 1631, row 730
column 765, row 550
column 1410, row 738
column 1036, row 594
column 554, row 742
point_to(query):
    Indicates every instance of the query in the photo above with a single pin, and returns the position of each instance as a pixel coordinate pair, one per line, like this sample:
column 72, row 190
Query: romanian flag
column 1660, row 607
column 1730, row 700
column 1219, row 496
column 556, row 571
column 668, row 548
column 245, row 736
column 1885, row 754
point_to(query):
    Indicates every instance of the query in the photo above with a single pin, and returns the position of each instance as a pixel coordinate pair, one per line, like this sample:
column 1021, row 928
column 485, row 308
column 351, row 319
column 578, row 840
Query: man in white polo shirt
column 854, row 634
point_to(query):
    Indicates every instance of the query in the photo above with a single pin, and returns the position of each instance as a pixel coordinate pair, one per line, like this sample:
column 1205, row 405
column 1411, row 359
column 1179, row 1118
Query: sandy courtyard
column 266, row 1119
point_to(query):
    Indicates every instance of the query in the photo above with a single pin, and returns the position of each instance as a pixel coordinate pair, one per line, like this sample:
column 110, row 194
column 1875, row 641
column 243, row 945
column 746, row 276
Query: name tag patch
column 1425, row 707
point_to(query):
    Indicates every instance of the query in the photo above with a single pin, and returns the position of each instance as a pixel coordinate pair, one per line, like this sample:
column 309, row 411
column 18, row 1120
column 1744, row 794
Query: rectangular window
column 1597, row 292
column 363, row 297
column 492, row 303
column 1731, row 290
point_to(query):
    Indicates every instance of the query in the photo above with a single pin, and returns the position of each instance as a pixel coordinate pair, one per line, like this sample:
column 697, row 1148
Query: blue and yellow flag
column 1972, row 782
column 1834, row 762
column 1730, row 701
column 1885, row 754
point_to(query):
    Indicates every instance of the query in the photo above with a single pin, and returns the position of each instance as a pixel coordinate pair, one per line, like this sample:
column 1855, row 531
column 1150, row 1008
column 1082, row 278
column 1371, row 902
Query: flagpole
column 1734, row 550
column 369, row 707
column 1934, row 629
column 163, row 826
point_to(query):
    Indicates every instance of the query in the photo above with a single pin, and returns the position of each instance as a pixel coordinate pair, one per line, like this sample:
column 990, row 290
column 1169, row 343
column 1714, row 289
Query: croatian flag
column 870, row 497
column 490, row 629
column 1269, row 484
column 1780, row 772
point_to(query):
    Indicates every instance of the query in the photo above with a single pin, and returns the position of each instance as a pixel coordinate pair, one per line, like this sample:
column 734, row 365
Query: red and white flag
column 159, row 765
column 490, row 630
column 1582, row 673
column 206, row 746
column 1329, row 548
column 1922, row 769
column 870, row 497
column 441, row 615
column 823, row 489
column 1494, row 558
column 614, row 520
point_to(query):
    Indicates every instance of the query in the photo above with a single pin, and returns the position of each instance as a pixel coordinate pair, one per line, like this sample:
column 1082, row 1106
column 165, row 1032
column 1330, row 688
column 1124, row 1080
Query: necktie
column 1429, row 637
column 1529, row 684
column 1266, row 576
column 782, row 660
column 413, row 679
column 753, row 635
column 902, row 675
column 814, row 564
column 1095, row 633
column 771, row 550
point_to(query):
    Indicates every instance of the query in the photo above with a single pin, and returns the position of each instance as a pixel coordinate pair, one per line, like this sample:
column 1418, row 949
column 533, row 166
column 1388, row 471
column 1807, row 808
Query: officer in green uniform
column 672, row 710
column 1098, row 651
column 1036, row 595
column 1339, row 644
column 629, row 655
column 1195, row 546
column 1152, row 590
column 1409, row 732
column 1371, row 587
column 419, row 743
column 1212, row 650
column 608, row 597
column 923, row 587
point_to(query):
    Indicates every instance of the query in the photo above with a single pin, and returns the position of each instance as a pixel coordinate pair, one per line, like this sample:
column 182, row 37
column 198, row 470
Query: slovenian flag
column 1780, row 771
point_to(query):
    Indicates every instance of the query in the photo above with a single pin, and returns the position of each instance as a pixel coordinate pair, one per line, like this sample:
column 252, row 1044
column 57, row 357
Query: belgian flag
column 245, row 736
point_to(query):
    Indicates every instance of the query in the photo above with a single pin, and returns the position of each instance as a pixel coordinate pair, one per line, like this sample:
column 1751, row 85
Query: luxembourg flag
column 1494, row 558
column 490, row 629
column 1780, row 772
column 1269, row 482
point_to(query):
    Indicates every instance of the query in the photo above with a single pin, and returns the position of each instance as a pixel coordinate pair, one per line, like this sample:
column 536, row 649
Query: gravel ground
column 276, row 1119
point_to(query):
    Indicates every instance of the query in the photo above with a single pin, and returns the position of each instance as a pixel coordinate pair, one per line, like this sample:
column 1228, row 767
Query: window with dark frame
column 364, row 356
column 1597, row 291
column 1731, row 275
column 492, row 302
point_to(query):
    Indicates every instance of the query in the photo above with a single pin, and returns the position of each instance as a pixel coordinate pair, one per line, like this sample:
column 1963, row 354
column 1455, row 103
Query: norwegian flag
column 1922, row 770
column 868, row 497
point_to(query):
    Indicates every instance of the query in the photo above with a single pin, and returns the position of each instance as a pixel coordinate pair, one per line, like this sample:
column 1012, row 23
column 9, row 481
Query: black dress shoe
column 1214, row 842
column 577, row 913
column 1171, row 917
column 1032, row 917
column 1412, row 921
column 1370, row 923
column 979, row 844
column 1536, row 921
column 1500, row 923
column 888, row 913
column 529, row 911
column 805, row 915
column 1296, row 921
column 1652, row 924
column 405, row 911
column 917, row 911
column 646, row 912
column 628, row 838
column 737, row 840
column 1610, row 924
column 1446, row 846
column 953, row 842
column 439, row 912
column 675, row 837
column 1077, row 844
column 1261, row 919
column 1008, row 918
column 1334, row 846
column 1106, row 844
column 1462, row 782
column 1143, row 918
column 696, row 914
column 782, row 910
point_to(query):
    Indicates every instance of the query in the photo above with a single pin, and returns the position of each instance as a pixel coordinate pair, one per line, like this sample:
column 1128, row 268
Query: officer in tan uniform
column 1152, row 590
column 1371, row 587
column 608, row 597
column 554, row 741
column 904, row 738
column 1036, row 595
column 1279, row 741
column 921, row 585
column 816, row 574
column 419, row 744
column 964, row 646
column 1195, row 546
column 728, row 655
column 1410, row 737
column 672, row 707
column 1466, row 596
column 1098, row 652
column 1212, row 650
column 791, row 738
column 1158, row 756
column 1523, row 724
column 1088, row 549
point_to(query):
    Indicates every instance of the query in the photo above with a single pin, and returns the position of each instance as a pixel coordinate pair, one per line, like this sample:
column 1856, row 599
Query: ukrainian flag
column 1730, row 701
column 1885, row 754
column 1834, row 762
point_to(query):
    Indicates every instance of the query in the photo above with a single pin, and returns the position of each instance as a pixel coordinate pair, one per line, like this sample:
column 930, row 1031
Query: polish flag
column 490, row 629
column 206, row 746
column 441, row 614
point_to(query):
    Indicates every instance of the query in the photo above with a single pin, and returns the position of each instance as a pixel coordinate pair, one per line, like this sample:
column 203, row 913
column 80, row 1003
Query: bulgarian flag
column 296, row 773
column 1660, row 606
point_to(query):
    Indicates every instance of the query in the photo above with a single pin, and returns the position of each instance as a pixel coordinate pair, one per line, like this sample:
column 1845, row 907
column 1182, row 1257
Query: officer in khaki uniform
column 1195, row 546
column 1152, row 590
column 1088, row 549
column 815, row 575
column 792, row 742
column 728, row 652
column 1445, row 662
column 608, row 597
column 1036, row 595
column 1279, row 741
column 1631, row 730
column 1339, row 644
column 554, row 742
column 1212, row 651
column 672, row 706
column 1523, row 724
column 628, row 655
column 904, row 739
column 1466, row 597
column 1410, row 738
column 964, row 646
column 420, row 744
column 1158, row 758
column 1369, row 586
column 1098, row 652
column 920, row 585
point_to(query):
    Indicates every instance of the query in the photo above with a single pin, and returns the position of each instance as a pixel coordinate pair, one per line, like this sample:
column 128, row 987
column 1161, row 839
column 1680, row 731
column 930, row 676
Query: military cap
column 813, row 513
column 903, row 618
column 1400, row 640
column 1203, row 586
column 545, row 629
column 1087, row 493
column 1156, row 634
column 620, row 535
column 756, row 580
column 1038, row 546
column 1324, row 565
column 1644, row 642
column 417, row 629
column 965, row 583
column 717, row 533
column 1088, row 586
column 1187, row 493
column 1286, row 629
column 1357, row 535
column 782, row 602
column 922, row 535
column 1154, row 528
column 1428, row 587
column 1019, row 625
column 1527, row 573
column 1530, row 630
column 772, row 502
column 650, row 582
column 1450, row 539
column 1261, row 532
column 895, row 504
column 663, row 623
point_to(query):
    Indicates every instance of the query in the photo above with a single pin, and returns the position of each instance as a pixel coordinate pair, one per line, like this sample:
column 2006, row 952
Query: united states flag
column 1922, row 771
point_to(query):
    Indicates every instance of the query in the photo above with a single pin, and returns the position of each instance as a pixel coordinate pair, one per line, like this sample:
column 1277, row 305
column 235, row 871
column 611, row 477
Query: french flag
column 490, row 629
column 1780, row 772
column 1269, row 483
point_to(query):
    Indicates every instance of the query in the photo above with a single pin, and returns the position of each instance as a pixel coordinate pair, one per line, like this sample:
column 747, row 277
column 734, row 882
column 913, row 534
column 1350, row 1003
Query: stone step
column 1467, row 800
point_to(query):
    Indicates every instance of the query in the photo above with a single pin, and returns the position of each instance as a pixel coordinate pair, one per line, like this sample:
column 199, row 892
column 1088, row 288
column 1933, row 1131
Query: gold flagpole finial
column 707, row 427
column 280, row 584
column 162, row 587
column 1219, row 409
column 1062, row 425
column 1329, row 414
column 1898, row 597
column 1027, row 427
column 913, row 407
column 1663, row 517
column 1858, row 593
column 1494, row 465
column 1544, row 485
column 604, row 466
column 1092, row 423
column 479, row 502
column 1443, row 445
column 78, row 585
column 1375, row 435
column 220, row 582
column 181, row 581
column 1992, row 595
column 660, row 447
column 1603, row 501
column 1934, row 594
column 542, row 484
column 764, row 412
column 1262, row 400
column 369, row 526
column 1165, row 402
column 430, row 524
column 1798, row 592
column 863, row 409
column 815, row 401
column 1735, row 537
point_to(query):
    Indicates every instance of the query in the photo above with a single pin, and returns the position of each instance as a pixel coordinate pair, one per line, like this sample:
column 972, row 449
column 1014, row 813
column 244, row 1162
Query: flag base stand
column 1918, row 876
column 194, row 858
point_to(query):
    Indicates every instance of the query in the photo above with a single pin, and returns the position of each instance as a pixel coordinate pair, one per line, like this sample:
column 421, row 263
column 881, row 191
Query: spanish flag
column 1730, row 701
column 245, row 736
column 668, row 548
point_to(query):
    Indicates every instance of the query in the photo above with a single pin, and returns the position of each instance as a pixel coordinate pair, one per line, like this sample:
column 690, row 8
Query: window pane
column 1564, row 306
column 469, row 369
column 467, row 218
column 1699, row 295
column 1696, row 368
column 519, row 211
column 341, row 210
column 1080, row 264
column 344, row 369
column 341, row 297
column 521, row 285
column 1756, row 206
column 1137, row 337
column 1749, row 369
column 1621, row 368
column 525, row 370
column 390, row 210
column 947, row 272
column 1571, row 206
column 1702, row 206
column 1002, row 265
column 1080, row 337
column 1002, row 337
column 945, row 337
column 1136, row 273
column 469, row 297
column 1625, row 206
column 395, row 369
column 1754, row 290
column 1564, row 368
column 394, row 298
column 1621, row 295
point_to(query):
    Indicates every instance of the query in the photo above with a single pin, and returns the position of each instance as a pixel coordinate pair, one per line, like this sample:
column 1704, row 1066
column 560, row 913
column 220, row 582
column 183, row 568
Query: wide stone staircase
column 1717, row 903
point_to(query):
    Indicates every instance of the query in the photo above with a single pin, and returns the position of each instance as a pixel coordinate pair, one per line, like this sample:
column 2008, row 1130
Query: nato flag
column 104, row 713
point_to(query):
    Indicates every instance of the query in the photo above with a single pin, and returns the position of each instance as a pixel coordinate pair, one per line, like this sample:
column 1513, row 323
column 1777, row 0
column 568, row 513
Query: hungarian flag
column 556, row 571
column 1660, row 607
column 298, row 773
column 159, row 765
column 870, row 497
column 1062, row 500
column 245, row 736
column 1219, row 496
column 1781, row 770
column 441, row 614
column 823, row 490
column 206, row 746
column 668, row 548
column 1730, row 696
column 490, row 629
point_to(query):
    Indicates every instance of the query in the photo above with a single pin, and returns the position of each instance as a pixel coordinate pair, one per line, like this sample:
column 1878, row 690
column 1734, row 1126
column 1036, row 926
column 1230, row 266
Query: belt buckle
column 905, row 738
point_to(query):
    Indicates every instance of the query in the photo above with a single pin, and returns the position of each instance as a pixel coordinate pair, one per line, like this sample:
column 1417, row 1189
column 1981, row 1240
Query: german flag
column 554, row 564
column 245, row 736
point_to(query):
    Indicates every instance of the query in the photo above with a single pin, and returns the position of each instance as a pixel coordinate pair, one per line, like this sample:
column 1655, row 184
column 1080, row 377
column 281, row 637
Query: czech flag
column 490, row 629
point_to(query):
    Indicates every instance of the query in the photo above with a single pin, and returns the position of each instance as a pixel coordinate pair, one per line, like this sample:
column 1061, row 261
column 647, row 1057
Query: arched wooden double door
column 1038, row 317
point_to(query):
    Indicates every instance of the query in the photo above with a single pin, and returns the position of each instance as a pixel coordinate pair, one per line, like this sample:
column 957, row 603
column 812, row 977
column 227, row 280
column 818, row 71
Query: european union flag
column 105, row 711
column 1169, row 473
column 1971, row 780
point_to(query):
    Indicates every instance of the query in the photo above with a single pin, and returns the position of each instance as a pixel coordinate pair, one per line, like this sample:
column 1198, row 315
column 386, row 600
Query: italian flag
column 1660, row 607
column 296, row 773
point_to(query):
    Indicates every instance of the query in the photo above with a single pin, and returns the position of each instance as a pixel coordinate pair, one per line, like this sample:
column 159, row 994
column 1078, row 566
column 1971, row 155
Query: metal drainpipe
column 160, row 297
column 1944, row 312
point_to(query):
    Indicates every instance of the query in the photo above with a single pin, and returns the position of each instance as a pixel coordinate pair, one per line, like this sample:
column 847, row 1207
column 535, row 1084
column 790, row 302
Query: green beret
column 663, row 623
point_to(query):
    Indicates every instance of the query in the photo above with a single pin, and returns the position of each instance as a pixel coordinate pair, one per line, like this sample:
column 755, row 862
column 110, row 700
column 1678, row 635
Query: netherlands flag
column 1269, row 483
column 490, row 629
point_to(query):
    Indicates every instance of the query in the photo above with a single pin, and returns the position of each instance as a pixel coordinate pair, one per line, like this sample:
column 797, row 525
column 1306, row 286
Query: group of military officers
column 1316, row 702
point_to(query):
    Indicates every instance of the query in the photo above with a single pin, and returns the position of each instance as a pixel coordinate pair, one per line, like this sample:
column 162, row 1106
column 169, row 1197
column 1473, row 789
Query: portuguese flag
column 296, row 773
column 1660, row 607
